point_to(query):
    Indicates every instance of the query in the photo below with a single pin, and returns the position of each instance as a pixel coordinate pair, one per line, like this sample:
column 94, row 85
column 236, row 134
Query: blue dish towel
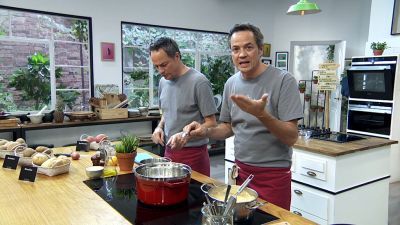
column 140, row 156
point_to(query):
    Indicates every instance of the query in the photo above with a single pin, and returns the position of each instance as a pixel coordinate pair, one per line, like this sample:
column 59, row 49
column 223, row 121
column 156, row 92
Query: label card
column 82, row 146
column 10, row 162
column 28, row 173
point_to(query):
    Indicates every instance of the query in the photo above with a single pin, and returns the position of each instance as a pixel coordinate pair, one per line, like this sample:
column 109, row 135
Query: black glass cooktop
column 119, row 192
column 337, row 137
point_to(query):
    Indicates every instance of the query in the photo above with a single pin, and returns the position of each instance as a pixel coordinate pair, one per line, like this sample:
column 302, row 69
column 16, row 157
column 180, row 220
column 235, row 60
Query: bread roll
column 41, row 148
column 39, row 158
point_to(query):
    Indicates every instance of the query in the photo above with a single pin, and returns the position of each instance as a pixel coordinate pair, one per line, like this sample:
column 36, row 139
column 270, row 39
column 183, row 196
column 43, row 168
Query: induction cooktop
column 337, row 137
column 119, row 192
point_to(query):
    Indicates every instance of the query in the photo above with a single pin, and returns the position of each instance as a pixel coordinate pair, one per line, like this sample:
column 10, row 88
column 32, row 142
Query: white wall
column 380, row 27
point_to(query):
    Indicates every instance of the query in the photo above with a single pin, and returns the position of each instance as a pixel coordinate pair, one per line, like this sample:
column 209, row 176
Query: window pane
column 217, row 69
column 157, row 32
column 25, row 77
column 186, row 39
column 70, row 29
column 4, row 23
column 31, row 25
column 135, row 57
column 72, row 78
column 71, row 54
column 137, row 97
column 136, row 78
column 213, row 42
column 188, row 59
column 75, row 100
column 135, row 35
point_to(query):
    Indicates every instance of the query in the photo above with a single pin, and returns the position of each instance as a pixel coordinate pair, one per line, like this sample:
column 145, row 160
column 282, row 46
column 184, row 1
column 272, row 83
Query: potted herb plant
column 302, row 87
column 315, row 79
column 378, row 47
column 59, row 112
column 307, row 97
column 126, row 151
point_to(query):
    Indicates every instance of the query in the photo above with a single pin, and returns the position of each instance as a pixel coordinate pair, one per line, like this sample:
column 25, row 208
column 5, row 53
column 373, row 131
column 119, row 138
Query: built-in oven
column 372, row 78
column 369, row 118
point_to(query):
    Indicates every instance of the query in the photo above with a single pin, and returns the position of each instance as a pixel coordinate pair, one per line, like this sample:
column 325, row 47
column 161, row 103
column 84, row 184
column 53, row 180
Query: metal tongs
column 232, row 199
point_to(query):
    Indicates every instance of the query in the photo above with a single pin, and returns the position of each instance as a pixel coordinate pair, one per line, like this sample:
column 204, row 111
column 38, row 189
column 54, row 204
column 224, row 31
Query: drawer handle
column 297, row 213
column 311, row 173
column 298, row 192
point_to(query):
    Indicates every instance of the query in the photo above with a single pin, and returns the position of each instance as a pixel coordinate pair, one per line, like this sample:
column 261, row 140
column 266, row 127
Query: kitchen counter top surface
column 65, row 199
column 337, row 149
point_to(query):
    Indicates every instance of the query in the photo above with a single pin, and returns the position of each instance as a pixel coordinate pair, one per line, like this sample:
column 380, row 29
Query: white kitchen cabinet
column 351, row 188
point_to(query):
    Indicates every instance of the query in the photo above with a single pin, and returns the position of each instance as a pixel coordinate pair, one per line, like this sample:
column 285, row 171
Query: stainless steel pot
column 155, row 160
column 246, row 201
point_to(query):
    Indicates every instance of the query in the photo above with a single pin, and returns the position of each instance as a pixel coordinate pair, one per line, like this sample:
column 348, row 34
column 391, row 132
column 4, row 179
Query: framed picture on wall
column 266, row 50
column 266, row 61
column 396, row 18
column 107, row 51
column 281, row 60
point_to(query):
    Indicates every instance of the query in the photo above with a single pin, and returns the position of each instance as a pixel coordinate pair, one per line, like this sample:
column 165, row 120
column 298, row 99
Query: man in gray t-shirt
column 261, row 106
column 185, row 95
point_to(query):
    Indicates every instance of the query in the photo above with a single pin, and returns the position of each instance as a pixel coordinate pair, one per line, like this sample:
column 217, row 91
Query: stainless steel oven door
column 369, row 120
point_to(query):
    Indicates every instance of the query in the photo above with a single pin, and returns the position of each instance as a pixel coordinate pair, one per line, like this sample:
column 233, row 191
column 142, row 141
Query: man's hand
column 194, row 129
column 178, row 140
column 158, row 136
column 254, row 107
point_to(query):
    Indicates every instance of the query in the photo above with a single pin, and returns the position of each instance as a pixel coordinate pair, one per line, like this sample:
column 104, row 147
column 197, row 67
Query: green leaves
column 379, row 45
column 129, row 144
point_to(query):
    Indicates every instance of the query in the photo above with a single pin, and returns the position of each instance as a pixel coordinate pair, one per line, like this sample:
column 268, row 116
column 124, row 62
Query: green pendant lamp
column 303, row 7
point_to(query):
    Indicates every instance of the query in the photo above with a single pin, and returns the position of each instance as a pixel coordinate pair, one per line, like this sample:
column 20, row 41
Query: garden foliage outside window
column 43, row 57
column 205, row 51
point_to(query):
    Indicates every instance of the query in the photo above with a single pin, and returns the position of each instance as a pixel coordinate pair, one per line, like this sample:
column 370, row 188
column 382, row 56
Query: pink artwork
column 107, row 51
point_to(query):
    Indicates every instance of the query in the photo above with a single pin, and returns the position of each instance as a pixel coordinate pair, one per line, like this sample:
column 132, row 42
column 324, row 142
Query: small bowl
column 94, row 172
column 36, row 118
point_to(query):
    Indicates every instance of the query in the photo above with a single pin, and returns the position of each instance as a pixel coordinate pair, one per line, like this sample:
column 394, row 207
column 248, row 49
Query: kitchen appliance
column 119, row 193
column 372, row 77
column 372, row 90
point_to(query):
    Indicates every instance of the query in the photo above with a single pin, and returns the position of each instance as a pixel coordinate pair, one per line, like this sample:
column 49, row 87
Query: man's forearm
column 220, row 132
column 286, row 132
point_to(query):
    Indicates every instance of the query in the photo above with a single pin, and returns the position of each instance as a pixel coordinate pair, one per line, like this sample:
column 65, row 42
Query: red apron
column 195, row 157
column 271, row 184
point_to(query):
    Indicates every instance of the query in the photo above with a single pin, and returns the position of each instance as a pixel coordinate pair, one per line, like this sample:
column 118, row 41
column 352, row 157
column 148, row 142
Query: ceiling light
column 303, row 7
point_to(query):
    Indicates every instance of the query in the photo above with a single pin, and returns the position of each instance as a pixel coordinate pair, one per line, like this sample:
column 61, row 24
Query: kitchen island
column 341, row 182
column 65, row 199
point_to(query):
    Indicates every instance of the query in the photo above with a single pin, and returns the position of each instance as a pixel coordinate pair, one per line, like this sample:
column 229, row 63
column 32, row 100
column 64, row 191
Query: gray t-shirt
column 254, row 143
column 184, row 100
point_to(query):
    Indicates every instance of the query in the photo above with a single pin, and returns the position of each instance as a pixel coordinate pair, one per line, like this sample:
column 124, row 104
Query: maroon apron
column 271, row 183
column 195, row 157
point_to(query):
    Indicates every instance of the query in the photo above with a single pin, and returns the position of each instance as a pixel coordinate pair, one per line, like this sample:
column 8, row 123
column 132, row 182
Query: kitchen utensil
column 232, row 200
column 94, row 172
column 35, row 118
column 121, row 104
column 209, row 218
column 228, row 189
column 162, row 184
column 41, row 111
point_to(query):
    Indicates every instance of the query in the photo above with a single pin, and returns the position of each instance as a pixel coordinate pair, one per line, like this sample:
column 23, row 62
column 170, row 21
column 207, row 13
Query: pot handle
column 206, row 187
column 256, row 205
column 172, row 185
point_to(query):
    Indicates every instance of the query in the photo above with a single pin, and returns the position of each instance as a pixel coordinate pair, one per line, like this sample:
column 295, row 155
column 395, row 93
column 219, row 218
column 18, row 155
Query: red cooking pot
column 165, row 183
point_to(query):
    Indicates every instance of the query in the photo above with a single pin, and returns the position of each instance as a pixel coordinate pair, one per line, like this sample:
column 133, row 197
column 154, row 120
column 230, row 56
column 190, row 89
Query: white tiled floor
column 217, row 172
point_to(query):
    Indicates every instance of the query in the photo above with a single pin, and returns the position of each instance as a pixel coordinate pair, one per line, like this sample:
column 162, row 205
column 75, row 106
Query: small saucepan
column 246, row 200
column 155, row 160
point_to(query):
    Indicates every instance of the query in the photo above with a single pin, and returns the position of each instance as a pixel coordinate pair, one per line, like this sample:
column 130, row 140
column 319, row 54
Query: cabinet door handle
column 298, row 192
column 297, row 213
column 311, row 173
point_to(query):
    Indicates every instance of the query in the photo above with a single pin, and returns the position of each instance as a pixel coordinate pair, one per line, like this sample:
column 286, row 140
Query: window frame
column 51, row 45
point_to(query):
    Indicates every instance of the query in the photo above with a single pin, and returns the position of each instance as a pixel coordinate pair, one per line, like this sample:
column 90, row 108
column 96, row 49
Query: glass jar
column 107, row 153
column 213, row 215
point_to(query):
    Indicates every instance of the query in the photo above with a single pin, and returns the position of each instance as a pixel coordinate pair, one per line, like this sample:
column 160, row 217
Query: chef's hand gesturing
column 158, row 136
column 178, row 140
column 254, row 107
column 194, row 129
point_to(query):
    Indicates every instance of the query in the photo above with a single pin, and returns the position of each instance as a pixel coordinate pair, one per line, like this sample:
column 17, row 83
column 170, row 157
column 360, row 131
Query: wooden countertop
column 65, row 199
column 337, row 149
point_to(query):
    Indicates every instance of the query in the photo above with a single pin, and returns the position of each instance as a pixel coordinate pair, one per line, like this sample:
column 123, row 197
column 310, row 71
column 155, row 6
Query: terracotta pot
column 378, row 52
column 125, row 161
column 302, row 90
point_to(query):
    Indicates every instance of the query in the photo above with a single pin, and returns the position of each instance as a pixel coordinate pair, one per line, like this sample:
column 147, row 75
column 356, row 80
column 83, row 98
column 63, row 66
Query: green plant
column 128, row 144
column 217, row 70
column 302, row 85
column 379, row 45
column 330, row 53
column 60, row 105
column 34, row 80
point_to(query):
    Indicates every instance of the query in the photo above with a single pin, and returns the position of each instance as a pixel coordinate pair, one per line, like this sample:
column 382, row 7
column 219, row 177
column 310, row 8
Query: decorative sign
column 107, row 51
column 82, row 146
column 328, row 66
column 11, row 162
column 28, row 173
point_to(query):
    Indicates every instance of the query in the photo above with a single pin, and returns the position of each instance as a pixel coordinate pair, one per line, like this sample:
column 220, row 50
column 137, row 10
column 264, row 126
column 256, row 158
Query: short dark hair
column 259, row 37
column 167, row 44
